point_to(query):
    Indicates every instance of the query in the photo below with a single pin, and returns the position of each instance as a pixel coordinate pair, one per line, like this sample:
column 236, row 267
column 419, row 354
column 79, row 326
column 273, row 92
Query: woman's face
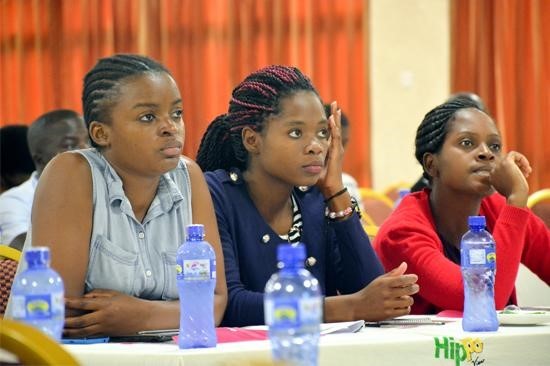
column 294, row 144
column 469, row 153
column 146, row 132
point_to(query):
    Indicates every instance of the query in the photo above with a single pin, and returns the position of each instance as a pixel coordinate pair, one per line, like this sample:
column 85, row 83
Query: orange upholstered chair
column 376, row 205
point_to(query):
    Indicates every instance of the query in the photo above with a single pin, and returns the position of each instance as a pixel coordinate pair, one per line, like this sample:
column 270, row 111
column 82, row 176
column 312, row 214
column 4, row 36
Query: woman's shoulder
column 69, row 165
column 185, row 172
column 187, row 164
column 413, row 207
column 412, row 215
column 217, row 179
column 66, row 175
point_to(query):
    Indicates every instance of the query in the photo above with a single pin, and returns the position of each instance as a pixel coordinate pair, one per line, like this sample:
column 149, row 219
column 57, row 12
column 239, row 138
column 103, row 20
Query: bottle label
column 38, row 306
column 195, row 270
column 477, row 256
column 480, row 256
column 291, row 313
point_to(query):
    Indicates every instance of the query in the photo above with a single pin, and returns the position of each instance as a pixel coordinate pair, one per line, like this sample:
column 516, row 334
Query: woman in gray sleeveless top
column 114, row 215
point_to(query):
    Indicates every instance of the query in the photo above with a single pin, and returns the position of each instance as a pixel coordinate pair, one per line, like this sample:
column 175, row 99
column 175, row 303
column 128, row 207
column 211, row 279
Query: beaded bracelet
column 335, row 215
column 336, row 194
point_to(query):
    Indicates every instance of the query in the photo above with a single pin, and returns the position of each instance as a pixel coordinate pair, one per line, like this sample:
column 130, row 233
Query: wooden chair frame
column 31, row 346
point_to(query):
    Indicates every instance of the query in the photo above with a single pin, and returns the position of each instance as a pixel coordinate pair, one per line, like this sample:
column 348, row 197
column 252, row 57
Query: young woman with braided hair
column 459, row 147
column 273, row 164
column 123, row 205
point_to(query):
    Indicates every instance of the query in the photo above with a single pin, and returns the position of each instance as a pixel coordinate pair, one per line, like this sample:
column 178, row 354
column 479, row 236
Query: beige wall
column 410, row 58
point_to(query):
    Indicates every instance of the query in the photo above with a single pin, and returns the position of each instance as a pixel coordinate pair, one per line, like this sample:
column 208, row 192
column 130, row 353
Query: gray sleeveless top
column 132, row 257
column 136, row 258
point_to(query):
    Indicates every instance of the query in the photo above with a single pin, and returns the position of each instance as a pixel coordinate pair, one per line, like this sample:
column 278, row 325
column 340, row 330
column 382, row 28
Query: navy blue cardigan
column 345, row 262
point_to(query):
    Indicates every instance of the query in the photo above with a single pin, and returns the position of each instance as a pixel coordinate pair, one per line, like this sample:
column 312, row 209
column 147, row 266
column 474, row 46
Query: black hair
column 15, row 157
column 431, row 133
column 344, row 121
column 471, row 96
column 102, row 82
column 257, row 97
column 37, row 129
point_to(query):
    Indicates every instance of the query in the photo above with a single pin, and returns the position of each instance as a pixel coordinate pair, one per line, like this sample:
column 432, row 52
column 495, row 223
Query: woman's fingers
column 81, row 321
column 88, row 331
column 83, row 303
column 522, row 162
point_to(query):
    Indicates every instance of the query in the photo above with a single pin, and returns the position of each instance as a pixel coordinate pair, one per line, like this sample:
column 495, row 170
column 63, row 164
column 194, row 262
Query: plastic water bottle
column 402, row 193
column 478, row 264
column 196, row 278
column 37, row 294
column 293, row 309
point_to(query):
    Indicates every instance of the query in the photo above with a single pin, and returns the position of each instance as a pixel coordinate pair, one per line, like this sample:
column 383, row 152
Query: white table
column 416, row 345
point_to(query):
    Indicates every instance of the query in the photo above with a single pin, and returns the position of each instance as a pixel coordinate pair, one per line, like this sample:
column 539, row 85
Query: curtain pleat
column 209, row 45
column 501, row 51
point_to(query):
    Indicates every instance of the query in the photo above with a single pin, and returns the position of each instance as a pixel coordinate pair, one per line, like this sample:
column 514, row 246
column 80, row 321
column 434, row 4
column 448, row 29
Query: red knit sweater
column 409, row 235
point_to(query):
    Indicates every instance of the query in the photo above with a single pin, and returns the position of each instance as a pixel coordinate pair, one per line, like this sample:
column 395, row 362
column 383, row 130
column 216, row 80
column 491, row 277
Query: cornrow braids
column 101, row 83
column 255, row 99
column 431, row 133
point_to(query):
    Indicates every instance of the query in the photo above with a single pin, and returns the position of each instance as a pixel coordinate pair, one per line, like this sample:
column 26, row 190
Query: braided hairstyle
column 252, row 102
column 102, row 83
column 431, row 133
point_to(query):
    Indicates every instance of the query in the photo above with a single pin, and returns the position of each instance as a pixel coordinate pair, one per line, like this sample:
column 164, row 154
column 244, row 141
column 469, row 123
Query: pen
column 423, row 321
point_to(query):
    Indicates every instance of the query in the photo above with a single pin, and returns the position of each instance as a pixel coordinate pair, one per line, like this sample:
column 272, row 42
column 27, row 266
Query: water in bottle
column 196, row 278
column 293, row 309
column 37, row 294
column 478, row 264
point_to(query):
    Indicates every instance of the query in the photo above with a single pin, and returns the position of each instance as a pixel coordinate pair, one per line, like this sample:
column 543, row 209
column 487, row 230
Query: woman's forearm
column 338, row 309
column 220, row 302
column 161, row 314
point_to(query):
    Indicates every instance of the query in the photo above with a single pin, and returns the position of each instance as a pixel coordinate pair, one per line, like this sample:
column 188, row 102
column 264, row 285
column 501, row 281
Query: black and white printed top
column 295, row 233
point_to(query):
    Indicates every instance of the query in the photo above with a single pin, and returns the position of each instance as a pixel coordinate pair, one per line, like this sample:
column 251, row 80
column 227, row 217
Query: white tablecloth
column 413, row 345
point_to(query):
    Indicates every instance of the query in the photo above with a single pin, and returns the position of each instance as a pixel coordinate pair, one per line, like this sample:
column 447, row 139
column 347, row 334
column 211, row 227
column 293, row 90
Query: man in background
column 50, row 134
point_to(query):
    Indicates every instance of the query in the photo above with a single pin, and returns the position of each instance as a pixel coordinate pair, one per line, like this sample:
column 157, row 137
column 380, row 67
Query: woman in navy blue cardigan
column 274, row 169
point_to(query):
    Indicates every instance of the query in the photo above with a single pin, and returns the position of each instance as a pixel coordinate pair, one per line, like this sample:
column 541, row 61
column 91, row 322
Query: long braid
column 101, row 83
column 431, row 133
column 252, row 101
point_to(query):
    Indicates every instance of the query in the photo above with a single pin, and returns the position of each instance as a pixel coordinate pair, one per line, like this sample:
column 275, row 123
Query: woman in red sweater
column 459, row 147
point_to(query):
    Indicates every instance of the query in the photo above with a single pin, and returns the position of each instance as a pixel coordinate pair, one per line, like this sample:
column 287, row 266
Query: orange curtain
column 209, row 45
column 501, row 50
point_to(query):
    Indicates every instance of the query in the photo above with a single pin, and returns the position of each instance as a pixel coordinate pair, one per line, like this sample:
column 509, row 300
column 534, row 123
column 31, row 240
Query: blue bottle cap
column 195, row 232
column 403, row 192
column 476, row 221
column 37, row 256
column 291, row 254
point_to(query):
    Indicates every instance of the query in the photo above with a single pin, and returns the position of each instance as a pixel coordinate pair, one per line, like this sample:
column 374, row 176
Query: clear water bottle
column 37, row 294
column 196, row 278
column 478, row 264
column 293, row 309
